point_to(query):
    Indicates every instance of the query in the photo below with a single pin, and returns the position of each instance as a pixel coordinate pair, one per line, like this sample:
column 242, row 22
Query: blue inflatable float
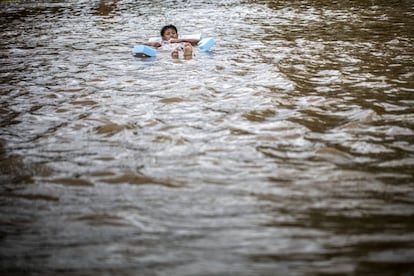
column 143, row 51
column 204, row 45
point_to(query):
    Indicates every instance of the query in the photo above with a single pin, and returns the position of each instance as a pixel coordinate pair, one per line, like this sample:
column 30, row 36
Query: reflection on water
column 287, row 150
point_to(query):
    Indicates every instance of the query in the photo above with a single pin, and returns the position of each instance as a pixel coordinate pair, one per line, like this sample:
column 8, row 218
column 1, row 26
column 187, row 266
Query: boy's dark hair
column 168, row 27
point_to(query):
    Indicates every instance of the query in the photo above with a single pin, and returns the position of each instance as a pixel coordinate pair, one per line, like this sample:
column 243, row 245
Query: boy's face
column 169, row 33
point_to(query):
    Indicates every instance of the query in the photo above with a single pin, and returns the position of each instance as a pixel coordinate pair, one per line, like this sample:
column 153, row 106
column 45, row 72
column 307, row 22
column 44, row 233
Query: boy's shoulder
column 187, row 36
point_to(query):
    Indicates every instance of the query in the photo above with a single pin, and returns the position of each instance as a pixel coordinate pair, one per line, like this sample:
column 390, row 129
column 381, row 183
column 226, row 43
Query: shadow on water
column 106, row 7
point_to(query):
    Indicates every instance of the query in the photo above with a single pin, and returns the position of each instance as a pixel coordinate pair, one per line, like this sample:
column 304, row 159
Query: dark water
column 287, row 150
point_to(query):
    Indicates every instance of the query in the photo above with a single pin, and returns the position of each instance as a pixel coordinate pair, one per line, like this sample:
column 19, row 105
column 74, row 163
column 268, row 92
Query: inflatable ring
column 204, row 45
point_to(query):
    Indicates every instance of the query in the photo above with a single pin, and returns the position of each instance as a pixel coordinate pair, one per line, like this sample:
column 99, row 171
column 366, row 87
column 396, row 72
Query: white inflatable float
column 204, row 45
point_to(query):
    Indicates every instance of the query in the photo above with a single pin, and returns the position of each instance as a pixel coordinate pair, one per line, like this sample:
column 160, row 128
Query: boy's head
column 168, row 32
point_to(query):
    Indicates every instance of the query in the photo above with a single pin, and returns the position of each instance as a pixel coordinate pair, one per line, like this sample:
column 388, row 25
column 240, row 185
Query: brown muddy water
column 286, row 150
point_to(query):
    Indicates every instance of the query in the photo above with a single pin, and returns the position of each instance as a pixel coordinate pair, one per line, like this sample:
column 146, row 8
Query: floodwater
column 286, row 150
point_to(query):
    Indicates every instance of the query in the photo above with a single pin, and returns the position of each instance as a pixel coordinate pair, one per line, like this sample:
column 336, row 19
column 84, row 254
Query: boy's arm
column 153, row 44
column 193, row 42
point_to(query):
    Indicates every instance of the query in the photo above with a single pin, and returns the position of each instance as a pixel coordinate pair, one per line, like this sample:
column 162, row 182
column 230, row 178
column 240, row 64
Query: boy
column 169, row 35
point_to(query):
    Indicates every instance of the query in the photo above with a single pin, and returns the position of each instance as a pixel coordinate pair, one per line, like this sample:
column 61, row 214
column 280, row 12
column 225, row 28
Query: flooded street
column 288, row 149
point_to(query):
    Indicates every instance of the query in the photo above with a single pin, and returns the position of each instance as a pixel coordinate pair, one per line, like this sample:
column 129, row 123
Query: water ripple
column 288, row 147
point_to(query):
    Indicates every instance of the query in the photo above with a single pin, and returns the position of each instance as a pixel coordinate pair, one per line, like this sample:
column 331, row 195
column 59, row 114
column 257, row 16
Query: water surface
column 286, row 150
